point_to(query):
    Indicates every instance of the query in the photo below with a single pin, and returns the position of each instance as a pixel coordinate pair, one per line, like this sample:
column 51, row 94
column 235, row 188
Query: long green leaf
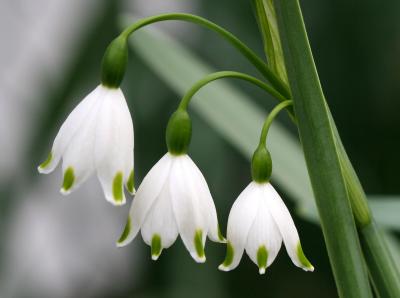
column 318, row 139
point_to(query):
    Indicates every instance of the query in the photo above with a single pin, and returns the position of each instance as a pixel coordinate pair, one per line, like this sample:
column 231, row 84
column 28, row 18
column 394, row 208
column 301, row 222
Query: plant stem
column 226, row 74
column 271, row 116
column 245, row 50
column 318, row 139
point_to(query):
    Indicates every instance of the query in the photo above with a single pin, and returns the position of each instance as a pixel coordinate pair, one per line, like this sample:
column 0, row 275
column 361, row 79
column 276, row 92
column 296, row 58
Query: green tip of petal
column 156, row 247
column 130, row 185
column 126, row 232
column 220, row 236
column 198, row 244
column 229, row 255
column 69, row 179
column 117, row 187
column 303, row 259
column 262, row 257
column 48, row 160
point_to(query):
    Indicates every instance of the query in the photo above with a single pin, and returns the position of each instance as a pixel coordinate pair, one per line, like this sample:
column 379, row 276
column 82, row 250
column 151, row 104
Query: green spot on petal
column 126, row 231
column 156, row 246
column 117, row 187
column 198, row 243
column 262, row 257
column 48, row 160
column 69, row 179
column 302, row 258
column 229, row 255
column 130, row 185
column 220, row 236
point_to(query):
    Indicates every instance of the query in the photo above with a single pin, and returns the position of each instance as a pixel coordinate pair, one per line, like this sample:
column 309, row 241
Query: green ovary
column 69, row 179
column 117, row 187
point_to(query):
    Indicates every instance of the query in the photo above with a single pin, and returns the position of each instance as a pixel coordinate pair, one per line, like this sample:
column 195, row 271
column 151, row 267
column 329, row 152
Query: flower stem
column 271, row 116
column 322, row 157
column 245, row 50
column 227, row 74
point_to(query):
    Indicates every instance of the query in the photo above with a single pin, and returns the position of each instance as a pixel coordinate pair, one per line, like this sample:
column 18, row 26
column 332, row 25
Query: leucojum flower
column 259, row 220
column 98, row 134
column 173, row 199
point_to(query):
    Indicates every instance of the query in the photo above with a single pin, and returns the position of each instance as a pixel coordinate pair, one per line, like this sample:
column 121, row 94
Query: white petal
column 264, row 239
column 185, row 202
column 286, row 226
column 160, row 222
column 240, row 220
column 145, row 197
column 78, row 157
column 68, row 129
column 113, row 152
column 207, row 203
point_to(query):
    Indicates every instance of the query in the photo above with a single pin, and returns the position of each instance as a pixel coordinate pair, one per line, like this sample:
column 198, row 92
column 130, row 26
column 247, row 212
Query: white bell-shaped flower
column 97, row 136
column 173, row 199
column 257, row 223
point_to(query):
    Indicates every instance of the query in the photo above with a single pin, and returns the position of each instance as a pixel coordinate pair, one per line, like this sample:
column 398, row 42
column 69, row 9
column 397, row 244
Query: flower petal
column 159, row 228
column 145, row 197
column 185, row 202
column 240, row 220
column 68, row 129
column 264, row 239
column 286, row 226
column 114, row 144
column 206, row 202
column 78, row 162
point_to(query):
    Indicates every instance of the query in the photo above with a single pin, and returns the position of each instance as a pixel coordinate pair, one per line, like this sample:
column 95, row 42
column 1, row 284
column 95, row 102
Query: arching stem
column 275, row 81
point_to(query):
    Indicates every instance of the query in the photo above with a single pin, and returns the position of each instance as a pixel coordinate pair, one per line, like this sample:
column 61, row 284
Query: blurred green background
column 54, row 246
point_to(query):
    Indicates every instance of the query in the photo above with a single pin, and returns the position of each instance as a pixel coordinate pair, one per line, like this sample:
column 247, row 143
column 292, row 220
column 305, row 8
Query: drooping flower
column 257, row 223
column 173, row 199
column 96, row 137
column 98, row 134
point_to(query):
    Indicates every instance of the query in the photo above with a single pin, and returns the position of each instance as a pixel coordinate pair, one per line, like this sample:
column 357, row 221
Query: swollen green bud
column 179, row 132
column 261, row 165
column 114, row 63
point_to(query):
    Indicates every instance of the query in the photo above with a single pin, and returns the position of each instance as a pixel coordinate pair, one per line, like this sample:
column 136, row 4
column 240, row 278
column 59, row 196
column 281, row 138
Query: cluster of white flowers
column 174, row 198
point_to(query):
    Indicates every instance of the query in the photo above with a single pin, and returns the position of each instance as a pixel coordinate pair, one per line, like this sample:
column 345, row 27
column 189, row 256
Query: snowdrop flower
column 173, row 199
column 98, row 135
column 259, row 221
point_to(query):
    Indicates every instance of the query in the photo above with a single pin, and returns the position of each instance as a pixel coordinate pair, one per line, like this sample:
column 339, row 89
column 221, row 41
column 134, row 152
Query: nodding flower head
column 258, row 223
column 173, row 199
column 96, row 137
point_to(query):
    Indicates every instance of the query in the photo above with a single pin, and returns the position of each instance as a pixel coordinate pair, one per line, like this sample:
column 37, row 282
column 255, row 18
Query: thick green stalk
column 323, row 163
column 381, row 266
